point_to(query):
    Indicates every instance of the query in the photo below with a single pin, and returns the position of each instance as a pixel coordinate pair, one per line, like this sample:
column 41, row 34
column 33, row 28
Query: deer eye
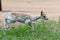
column 44, row 16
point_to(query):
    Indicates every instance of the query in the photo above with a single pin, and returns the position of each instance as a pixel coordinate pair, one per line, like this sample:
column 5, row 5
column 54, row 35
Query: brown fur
column 22, row 15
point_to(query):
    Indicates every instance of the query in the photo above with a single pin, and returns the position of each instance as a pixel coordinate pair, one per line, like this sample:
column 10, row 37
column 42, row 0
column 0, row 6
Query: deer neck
column 36, row 17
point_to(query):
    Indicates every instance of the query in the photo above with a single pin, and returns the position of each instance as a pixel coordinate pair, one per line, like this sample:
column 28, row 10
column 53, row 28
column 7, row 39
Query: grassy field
column 44, row 30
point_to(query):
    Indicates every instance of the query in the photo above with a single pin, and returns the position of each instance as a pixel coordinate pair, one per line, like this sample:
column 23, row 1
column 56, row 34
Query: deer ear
column 41, row 12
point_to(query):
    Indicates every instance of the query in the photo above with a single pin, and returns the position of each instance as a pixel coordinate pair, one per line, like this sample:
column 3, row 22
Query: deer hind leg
column 6, row 23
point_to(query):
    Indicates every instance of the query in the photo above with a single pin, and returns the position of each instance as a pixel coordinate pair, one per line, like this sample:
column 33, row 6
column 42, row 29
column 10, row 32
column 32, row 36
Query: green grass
column 44, row 30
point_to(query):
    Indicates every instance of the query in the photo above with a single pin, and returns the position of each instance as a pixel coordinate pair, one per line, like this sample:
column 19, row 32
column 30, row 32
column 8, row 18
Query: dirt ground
column 50, row 7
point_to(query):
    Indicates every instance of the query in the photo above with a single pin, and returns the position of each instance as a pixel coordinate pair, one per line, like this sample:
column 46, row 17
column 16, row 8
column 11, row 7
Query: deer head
column 43, row 16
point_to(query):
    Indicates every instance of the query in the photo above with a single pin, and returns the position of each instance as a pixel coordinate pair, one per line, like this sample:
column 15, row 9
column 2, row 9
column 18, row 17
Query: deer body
column 11, row 17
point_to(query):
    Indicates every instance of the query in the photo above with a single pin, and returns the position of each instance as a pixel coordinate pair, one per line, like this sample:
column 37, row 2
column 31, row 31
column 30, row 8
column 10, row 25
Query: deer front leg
column 31, row 24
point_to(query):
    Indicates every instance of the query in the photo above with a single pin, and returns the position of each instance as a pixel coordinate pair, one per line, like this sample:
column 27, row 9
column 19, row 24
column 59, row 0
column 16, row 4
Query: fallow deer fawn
column 11, row 17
